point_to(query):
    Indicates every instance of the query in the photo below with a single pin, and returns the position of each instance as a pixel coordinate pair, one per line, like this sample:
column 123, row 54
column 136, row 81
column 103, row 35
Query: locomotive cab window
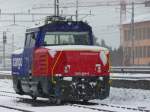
column 30, row 40
column 66, row 38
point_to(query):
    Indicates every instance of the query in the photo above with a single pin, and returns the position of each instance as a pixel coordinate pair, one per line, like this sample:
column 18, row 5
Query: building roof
column 138, row 19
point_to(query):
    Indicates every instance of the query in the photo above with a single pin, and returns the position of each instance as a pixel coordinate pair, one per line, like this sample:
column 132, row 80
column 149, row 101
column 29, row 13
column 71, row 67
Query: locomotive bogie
column 79, row 88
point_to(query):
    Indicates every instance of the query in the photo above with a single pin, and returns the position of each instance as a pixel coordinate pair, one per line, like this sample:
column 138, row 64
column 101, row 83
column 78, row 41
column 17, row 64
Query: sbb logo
column 17, row 62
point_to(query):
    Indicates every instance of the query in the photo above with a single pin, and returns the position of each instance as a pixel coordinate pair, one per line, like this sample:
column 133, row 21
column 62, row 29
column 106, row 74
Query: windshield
column 66, row 38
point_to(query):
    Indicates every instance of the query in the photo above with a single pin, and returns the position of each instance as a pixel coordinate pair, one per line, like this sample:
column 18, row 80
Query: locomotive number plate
column 82, row 73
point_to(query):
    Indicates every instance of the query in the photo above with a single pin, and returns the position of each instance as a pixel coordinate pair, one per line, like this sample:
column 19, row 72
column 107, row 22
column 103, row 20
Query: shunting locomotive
column 60, row 61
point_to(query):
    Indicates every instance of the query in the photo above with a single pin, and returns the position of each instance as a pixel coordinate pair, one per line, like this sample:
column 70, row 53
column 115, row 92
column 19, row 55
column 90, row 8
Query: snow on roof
column 35, row 26
column 76, row 47
column 139, row 18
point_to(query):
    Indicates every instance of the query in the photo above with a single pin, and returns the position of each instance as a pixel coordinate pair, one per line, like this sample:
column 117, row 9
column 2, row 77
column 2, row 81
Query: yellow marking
column 55, row 66
column 110, row 82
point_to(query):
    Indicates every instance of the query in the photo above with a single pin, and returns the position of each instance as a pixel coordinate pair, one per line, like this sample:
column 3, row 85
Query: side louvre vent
column 40, row 65
column 43, row 63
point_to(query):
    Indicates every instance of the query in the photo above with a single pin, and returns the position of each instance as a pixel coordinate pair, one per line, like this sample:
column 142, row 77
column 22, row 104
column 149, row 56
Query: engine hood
column 76, row 48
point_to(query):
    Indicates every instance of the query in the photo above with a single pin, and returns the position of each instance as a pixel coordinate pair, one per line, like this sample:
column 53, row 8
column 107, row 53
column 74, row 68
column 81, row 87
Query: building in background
column 8, row 52
column 136, row 49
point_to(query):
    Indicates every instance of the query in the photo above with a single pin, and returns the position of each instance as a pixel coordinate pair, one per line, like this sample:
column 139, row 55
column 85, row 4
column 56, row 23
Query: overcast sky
column 105, row 20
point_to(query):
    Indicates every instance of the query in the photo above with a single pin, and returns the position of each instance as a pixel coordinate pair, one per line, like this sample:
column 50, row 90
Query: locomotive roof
column 62, row 26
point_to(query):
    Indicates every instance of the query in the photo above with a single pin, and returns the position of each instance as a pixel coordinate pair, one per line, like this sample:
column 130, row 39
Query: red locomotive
column 59, row 61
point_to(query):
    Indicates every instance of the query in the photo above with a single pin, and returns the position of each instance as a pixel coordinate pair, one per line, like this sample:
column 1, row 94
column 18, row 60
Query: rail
column 5, row 68
column 131, row 69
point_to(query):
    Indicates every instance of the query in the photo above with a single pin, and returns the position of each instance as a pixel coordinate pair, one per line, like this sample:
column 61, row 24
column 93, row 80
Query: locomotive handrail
column 131, row 69
column 55, row 66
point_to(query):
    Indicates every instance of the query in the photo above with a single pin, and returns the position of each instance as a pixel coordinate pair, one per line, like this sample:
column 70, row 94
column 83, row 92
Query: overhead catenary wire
column 88, row 4
column 71, row 5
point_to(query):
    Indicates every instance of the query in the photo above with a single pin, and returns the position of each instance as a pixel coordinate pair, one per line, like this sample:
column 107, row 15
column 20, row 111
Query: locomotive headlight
column 66, row 68
column 98, row 68
column 67, row 78
column 103, row 57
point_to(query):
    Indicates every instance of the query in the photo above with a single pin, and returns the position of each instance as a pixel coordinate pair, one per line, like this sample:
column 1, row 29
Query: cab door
column 28, row 53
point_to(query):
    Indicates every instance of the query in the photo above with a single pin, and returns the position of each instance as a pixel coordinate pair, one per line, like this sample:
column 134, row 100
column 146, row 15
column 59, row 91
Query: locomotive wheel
column 33, row 97
column 58, row 101
column 39, row 87
column 55, row 101
column 105, row 90
column 85, row 101
column 19, row 87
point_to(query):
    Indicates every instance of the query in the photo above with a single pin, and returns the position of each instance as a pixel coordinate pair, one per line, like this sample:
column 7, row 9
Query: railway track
column 112, row 106
column 5, row 94
column 87, row 105
column 91, row 108
column 8, row 94
column 14, row 108
column 126, row 108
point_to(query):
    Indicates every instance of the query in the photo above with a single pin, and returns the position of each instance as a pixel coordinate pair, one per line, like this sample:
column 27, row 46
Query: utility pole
column 77, row 8
column 4, row 43
column 132, row 32
column 12, row 42
column 14, row 19
column 56, row 7
column 122, row 10
column 122, row 18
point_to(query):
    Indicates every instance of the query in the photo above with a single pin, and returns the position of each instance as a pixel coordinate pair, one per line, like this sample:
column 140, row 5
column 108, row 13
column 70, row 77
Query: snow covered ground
column 132, row 98
column 128, row 98
column 5, row 72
